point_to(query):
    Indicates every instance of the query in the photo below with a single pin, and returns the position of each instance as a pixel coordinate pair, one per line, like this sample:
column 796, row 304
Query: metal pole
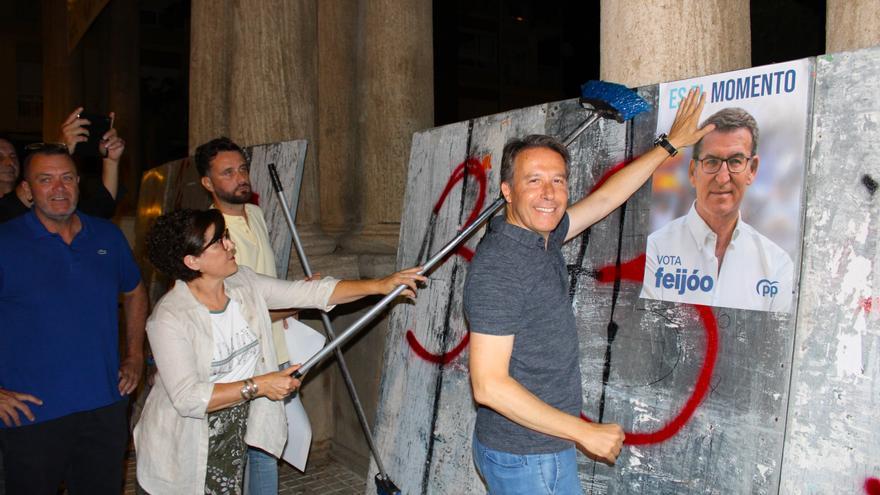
column 328, row 326
column 382, row 304
column 577, row 132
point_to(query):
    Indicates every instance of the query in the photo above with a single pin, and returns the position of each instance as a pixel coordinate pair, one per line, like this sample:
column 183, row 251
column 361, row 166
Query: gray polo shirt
column 516, row 287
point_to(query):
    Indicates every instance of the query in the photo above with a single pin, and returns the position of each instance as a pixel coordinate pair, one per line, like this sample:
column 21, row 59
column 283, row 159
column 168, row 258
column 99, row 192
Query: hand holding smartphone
column 97, row 126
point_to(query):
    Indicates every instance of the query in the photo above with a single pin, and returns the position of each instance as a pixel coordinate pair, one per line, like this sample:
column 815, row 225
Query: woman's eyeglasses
column 222, row 237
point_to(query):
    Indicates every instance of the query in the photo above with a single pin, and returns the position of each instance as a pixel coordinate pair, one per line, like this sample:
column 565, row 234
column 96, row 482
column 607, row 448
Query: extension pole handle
column 385, row 301
column 328, row 326
column 276, row 181
column 581, row 128
column 276, row 184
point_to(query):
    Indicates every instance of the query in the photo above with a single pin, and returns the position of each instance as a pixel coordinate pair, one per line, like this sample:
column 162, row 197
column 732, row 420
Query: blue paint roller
column 601, row 100
column 605, row 100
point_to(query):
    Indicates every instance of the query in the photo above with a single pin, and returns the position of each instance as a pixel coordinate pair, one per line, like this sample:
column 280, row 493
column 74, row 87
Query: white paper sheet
column 302, row 343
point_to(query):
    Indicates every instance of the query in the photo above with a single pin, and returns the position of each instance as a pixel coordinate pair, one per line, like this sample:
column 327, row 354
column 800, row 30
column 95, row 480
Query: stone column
column 337, row 115
column 210, row 29
column 395, row 95
column 851, row 24
column 650, row 42
column 259, row 61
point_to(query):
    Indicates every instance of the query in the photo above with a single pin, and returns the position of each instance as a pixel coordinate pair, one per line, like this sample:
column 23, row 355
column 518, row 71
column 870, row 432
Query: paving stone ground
column 322, row 476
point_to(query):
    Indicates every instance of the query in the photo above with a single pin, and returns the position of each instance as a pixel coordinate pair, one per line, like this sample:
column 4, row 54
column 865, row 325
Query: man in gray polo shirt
column 524, row 364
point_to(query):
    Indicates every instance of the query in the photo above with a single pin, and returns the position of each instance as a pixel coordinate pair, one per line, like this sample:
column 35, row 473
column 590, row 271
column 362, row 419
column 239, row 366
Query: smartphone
column 98, row 126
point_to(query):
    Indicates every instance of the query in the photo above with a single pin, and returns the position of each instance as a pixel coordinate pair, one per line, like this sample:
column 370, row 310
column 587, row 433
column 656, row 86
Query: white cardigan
column 171, row 438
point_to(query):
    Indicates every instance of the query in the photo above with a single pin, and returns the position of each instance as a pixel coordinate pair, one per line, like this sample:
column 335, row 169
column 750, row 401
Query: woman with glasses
column 217, row 388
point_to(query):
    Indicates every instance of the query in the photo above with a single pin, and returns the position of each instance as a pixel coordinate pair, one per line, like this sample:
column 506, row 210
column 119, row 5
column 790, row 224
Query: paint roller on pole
column 601, row 100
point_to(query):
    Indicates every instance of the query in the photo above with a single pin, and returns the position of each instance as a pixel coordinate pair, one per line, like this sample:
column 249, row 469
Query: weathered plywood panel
column 731, row 442
column 833, row 438
column 408, row 387
column 288, row 157
column 713, row 400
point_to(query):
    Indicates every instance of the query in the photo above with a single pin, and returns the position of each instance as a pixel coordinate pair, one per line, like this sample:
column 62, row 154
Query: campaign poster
column 725, row 223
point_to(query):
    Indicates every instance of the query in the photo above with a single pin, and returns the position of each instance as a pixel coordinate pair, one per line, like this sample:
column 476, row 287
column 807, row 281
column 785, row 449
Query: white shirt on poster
column 681, row 266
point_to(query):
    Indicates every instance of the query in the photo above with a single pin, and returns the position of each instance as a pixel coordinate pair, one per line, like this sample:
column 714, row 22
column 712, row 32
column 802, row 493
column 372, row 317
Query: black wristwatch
column 663, row 140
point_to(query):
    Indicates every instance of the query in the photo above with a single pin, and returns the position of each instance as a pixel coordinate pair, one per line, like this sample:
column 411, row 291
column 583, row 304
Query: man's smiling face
column 719, row 195
column 537, row 195
column 54, row 184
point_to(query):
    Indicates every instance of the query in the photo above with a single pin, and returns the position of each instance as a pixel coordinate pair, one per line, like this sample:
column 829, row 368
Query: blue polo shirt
column 59, row 326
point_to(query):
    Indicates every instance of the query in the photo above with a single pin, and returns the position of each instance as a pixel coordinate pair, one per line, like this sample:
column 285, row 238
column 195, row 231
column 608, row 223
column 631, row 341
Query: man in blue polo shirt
column 62, row 386
column 524, row 362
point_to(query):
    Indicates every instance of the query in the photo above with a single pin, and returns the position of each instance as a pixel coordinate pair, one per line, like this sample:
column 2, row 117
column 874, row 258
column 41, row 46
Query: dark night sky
column 495, row 55
column 490, row 56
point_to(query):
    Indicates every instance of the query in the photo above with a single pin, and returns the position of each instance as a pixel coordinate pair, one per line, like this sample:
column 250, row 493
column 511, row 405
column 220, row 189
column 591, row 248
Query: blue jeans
column 527, row 474
column 262, row 473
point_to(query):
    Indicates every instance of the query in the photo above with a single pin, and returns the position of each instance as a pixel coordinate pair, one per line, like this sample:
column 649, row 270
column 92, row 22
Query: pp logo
column 766, row 288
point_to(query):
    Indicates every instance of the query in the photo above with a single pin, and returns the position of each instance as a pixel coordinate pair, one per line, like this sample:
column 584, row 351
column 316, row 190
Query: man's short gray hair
column 729, row 120
column 516, row 145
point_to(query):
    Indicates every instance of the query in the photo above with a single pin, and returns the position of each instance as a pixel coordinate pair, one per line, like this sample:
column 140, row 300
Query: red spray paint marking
column 872, row 486
column 465, row 252
column 477, row 168
column 444, row 358
column 867, row 304
column 607, row 175
column 634, row 270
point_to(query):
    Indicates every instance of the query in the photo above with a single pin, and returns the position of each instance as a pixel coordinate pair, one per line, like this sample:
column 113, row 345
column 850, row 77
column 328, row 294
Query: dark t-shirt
column 516, row 287
column 11, row 206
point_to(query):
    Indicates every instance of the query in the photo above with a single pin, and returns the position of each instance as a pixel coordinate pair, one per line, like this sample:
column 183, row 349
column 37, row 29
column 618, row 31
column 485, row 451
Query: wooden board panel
column 833, row 435
column 288, row 157
column 732, row 441
column 408, row 386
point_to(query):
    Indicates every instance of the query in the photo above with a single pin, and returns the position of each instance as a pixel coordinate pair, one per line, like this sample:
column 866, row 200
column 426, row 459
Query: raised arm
column 493, row 387
column 620, row 186
column 328, row 292
column 352, row 290
column 74, row 130
column 112, row 146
